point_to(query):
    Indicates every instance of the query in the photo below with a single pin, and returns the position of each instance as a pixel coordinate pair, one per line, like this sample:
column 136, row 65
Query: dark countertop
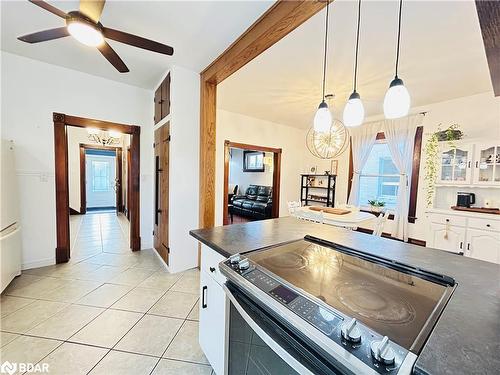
column 465, row 340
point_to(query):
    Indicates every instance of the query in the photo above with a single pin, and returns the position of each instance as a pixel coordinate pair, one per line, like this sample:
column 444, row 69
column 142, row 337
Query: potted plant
column 432, row 153
column 376, row 206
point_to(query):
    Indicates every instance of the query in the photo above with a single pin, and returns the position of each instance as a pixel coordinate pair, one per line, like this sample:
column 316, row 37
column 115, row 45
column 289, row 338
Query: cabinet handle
column 212, row 269
column 468, row 164
column 477, row 164
column 447, row 220
column 461, row 245
column 203, row 298
column 468, row 246
column 488, row 225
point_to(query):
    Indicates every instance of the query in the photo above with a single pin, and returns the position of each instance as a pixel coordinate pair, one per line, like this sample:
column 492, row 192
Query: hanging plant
column 431, row 150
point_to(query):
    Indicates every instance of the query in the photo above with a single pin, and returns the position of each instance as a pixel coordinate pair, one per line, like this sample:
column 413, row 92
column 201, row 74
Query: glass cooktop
column 396, row 303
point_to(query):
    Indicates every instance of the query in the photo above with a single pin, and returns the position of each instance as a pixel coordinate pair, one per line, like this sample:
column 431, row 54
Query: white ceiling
column 442, row 57
column 197, row 30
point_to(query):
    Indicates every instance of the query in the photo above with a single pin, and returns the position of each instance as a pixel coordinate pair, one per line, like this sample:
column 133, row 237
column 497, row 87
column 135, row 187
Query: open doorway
column 251, row 182
column 97, row 178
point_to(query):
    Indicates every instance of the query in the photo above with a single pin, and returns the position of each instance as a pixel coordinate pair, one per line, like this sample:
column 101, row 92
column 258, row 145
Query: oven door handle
column 289, row 359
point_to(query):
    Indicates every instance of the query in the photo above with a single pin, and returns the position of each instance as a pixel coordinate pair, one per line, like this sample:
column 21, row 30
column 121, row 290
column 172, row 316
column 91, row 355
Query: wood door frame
column 278, row 21
column 276, row 174
column 83, row 175
column 61, row 123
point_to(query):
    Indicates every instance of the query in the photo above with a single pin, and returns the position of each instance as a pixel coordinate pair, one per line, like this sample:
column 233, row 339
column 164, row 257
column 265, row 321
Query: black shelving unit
column 311, row 190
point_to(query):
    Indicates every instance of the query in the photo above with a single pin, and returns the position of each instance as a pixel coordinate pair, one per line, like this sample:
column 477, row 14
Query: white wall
column 243, row 179
column 295, row 158
column 184, row 161
column 479, row 118
column 31, row 91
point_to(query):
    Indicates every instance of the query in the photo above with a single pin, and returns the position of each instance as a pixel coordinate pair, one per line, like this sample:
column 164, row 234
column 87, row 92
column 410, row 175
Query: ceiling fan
column 84, row 26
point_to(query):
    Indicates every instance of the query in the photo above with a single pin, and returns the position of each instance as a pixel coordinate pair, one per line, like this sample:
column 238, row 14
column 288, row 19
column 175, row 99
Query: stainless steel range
column 324, row 308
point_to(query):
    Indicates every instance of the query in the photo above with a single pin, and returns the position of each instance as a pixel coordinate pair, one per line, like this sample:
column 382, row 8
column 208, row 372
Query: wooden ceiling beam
column 488, row 12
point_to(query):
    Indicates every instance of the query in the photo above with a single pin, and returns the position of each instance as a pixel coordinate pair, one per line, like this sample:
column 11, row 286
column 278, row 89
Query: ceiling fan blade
column 45, row 35
column 115, row 60
column 92, row 9
column 137, row 41
column 48, row 7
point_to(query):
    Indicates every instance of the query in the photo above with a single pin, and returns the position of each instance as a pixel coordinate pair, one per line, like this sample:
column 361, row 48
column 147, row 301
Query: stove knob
column 243, row 264
column 350, row 332
column 382, row 351
column 234, row 259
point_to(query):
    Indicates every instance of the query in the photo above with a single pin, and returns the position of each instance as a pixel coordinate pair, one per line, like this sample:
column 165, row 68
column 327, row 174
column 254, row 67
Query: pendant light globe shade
column 397, row 100
column 354, row 111
column 322, row 119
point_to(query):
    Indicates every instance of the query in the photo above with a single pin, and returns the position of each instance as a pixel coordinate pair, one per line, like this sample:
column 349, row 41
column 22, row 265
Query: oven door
column 260, row 344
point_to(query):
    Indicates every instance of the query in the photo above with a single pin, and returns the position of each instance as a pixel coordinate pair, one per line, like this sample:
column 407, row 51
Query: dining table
column 351, row 220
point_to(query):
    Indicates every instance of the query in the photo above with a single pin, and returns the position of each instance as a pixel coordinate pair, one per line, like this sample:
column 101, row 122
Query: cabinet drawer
column 210, row 260
column 448, row 219
column 485, row 224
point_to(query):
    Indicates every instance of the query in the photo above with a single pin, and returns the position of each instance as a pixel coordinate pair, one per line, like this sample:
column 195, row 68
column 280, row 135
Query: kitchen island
column 466, row 338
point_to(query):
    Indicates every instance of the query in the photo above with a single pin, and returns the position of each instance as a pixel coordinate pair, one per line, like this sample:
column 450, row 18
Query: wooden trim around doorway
column 276, row 175
column 61, row 122
column 278, row 21
column 83, row 175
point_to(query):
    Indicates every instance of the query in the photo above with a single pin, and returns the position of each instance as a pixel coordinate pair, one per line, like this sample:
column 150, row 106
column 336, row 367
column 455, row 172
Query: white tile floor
column 107, row 311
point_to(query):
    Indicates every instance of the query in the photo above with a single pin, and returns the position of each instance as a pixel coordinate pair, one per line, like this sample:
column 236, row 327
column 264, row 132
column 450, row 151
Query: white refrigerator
column 10, row 227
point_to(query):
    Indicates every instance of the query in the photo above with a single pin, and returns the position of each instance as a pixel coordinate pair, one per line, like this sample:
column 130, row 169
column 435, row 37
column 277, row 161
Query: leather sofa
column 256, row 203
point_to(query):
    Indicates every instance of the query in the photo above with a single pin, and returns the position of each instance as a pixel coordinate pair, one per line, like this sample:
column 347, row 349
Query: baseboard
column 38, row 263
column 165, row 265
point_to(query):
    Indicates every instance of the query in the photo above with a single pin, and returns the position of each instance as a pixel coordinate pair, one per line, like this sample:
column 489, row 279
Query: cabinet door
column 165, row 96
column 483, row 245
column 157, row 102
column 213, row 326
column 447, row 237
column 455, row 165
column 487, row 164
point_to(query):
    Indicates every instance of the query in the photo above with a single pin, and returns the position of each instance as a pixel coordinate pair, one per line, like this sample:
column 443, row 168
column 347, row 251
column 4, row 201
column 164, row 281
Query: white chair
column 312, row 216
column 379, row 223
column 292, row 207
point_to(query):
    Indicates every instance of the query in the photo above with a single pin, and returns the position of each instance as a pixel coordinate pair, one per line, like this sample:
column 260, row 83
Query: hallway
column 108, row 311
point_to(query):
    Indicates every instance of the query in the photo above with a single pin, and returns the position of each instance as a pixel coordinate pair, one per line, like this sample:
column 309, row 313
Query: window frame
column 246, row 167
column 417, row 152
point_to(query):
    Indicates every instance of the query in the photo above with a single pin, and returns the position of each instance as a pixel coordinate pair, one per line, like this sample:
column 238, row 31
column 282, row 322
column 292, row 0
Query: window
column 100, row 176
column 379, row 178
column 253, row 161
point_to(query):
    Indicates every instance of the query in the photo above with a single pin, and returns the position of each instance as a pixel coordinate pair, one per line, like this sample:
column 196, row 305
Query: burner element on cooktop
column 370, row 302
column 288, row 261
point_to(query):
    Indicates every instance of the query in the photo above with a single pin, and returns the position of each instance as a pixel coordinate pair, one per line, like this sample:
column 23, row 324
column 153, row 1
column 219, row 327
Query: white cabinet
column 487, row 164
column 447, row 237
column 455, row 165
column 483, row 245
column 474, row 236
column 213, row 322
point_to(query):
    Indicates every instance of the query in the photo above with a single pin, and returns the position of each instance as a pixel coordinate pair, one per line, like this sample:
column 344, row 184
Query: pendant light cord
column 399, row 35
column 357, row 46
column 326, row 47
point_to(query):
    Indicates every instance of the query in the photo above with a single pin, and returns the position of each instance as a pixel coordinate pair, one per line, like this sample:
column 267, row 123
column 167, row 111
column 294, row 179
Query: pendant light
column 323, row 117
column 397, row 98
column 354, row 112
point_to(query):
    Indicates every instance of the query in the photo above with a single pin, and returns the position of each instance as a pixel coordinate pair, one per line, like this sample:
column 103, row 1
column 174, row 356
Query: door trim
column 276, row 175
column 83, row 175
column 61, row 123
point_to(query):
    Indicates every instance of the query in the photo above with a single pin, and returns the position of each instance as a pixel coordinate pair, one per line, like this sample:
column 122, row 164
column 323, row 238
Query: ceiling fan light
column 85, row 33
column 322, row 119
column 354, row 111
column 397, row 100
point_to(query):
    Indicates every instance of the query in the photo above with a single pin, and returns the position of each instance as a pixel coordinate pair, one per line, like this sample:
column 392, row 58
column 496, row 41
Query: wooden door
column 161, row 161
column 165, row 96
column 118, row 181
column 157, row 101
column 129, row 183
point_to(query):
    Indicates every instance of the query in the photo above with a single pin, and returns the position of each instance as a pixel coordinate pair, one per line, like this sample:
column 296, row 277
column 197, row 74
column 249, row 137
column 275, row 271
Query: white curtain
column 362, row 140
column 400, row 138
